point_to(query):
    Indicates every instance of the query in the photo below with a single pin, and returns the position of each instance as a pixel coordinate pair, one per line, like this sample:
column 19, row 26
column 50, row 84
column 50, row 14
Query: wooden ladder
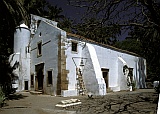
column 80, row 83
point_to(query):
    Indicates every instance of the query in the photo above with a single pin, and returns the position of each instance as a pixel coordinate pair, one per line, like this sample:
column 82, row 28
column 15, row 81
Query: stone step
column 36, row 92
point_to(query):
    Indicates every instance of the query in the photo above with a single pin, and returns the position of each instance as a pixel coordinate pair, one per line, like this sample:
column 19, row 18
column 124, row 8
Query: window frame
column 72, row 49
column 32, row 80
column 48, row 82
column 39, row 50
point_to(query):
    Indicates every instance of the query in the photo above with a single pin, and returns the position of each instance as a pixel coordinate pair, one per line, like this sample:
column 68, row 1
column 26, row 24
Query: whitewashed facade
column 50, row 58
column 20, row 59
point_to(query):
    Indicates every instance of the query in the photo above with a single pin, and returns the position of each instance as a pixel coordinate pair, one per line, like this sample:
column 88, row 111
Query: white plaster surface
column 108, row 60
column 97, row 70
column 49, row 38
column 67, row 93
column 97, row 57
column 34, row 22
column 21, row 42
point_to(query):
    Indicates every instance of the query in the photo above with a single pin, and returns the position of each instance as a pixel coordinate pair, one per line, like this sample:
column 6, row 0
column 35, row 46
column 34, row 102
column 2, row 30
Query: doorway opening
column 25, row 85
column 39, row 77
column 130, row 74
column 105, row 74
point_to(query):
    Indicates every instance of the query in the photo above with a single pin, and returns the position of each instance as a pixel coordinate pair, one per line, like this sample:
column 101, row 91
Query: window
column 40, row 34
column 32, row 80
column 27, row 50
column 49, row 77
column 74, row 46
column 38, row 23
column 39, row 49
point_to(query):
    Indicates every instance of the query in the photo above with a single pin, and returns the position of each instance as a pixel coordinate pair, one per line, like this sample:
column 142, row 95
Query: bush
column 134, row 85
column 157, row 88
column 2, row 97
column 7, row 77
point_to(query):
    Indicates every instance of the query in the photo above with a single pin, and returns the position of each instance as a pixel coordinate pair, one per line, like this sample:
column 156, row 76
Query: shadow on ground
column 16, row 96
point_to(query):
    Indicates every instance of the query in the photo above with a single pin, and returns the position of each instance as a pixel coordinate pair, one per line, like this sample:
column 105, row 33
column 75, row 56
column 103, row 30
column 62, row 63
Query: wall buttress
column 62, row 82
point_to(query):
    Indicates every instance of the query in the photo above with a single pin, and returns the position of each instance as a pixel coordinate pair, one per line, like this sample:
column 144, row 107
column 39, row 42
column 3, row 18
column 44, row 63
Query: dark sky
column 73, row 12
column 68, row 10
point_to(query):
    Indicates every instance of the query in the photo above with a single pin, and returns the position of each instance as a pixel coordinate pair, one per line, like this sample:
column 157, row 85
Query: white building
column 61, row 63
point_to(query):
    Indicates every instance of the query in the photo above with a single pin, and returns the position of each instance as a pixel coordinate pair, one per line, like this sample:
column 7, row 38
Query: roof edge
column 104, row 45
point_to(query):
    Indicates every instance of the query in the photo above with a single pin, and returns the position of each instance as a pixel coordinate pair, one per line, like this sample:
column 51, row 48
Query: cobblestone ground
column 137, row 102
column 125, row 103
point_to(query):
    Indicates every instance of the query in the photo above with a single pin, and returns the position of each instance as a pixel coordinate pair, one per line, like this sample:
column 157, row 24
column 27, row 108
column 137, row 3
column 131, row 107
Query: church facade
column 60, row 63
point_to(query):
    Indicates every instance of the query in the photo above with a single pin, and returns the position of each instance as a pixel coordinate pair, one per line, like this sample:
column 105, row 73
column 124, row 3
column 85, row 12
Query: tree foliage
column 93, row 29
column 12, row 13
column 66, row 24
column 43, row 9
column 129, row 44
column 141, row 18
column 149, row 39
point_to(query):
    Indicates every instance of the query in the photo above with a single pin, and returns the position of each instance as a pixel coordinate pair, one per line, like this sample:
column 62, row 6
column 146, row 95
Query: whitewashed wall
column 108, row 58
column 93, row 79
column 70, row 65
column 21, row 43
column 105, row 57
column 34, row 22
column 49, row 37
column 97, row 57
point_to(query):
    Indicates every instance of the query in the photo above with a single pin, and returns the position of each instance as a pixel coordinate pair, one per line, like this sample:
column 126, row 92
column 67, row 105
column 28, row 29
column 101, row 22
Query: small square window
column 39, row 49
column 49, row 77
column 74, row 46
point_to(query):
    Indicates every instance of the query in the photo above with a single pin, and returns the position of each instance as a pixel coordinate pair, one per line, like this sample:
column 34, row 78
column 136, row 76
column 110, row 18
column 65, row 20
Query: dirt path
column 25, row 103
column 137, row 102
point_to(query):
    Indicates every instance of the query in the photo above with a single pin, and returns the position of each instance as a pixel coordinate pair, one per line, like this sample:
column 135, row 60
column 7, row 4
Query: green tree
column 36, row 7
column 93, row 29
column 54, row 13
column 12, row 13
column 132, row 45
column 44, row 9
column 140, row 17
column 149, row 39
column 66, row 24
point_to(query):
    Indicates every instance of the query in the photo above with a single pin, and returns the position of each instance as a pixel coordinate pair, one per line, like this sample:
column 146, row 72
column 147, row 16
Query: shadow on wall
column 142, row 73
